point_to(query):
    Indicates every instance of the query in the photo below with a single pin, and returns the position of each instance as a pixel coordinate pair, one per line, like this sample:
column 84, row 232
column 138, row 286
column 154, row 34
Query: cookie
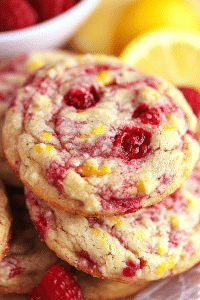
column 27, row 258
column 94, row 288
column 5, row 222
column 13, row 74
column 152, row 243
column 13, row 297
column 95, row 136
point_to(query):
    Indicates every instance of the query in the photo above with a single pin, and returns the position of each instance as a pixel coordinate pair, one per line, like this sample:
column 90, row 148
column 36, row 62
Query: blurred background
column 114, row 24
column 159, row 36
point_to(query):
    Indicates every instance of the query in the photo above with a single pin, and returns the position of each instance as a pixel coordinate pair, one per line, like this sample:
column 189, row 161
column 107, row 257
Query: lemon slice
column 174, row 55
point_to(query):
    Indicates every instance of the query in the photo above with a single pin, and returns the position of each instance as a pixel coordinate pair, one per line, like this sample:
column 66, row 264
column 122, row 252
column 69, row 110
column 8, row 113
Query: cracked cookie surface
column 95, row 136
column 152, row 243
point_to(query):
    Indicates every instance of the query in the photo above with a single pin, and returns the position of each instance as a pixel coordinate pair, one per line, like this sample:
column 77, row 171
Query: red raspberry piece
column 131, row 268
column 50, row 8
column 57, row 283
column 192, row 96
column 83, row 255
column 147, row 115
column 134, row 143
column 68, row 4
column 16, row 14
column 81, row 96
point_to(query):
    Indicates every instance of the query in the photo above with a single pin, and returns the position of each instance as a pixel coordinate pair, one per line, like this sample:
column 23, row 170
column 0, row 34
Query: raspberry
column 56, row 173
column 81, row 96
column 68, row 4
column 192, row 96
column 50, row 8
column 131, row 269
column 57, row 283
column 83, row 255
column 134, row 143
column 16, row 14
column 147, row 115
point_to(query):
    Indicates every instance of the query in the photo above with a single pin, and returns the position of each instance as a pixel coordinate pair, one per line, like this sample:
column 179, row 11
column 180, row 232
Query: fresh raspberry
column 68, row 4
column 133, row 143
column 81, row 96
column 16, row 14
column 57, row 283
column 50, row 8
column 192, row 96
column 147, row 115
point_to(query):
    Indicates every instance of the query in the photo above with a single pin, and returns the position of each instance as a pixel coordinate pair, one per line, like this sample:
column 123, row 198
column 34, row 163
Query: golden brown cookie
column 95, row 136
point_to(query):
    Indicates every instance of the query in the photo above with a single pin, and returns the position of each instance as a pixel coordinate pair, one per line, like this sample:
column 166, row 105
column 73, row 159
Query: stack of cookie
column 109, row 160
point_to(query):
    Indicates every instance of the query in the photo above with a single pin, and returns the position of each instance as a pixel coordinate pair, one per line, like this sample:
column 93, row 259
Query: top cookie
column 95, row 136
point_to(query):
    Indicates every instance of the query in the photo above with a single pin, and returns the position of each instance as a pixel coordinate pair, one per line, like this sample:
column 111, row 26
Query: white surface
column 48, row 34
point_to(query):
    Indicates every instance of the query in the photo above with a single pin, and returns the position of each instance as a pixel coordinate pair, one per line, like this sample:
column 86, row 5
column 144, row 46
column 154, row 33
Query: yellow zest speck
column 139, row 234
column 155, row 94
column 48, row 148
column 38, row 148
column 34, row 65
column 190, row 199
column 191, row 203
column 96, row 231
column 82, row 137
column 118, row 221
column 46, row 135
column 81, row 113
column 104, row 239
column 162, row 249
column 105, row 77
column 97, row 130
column 88, row 170
column 102, row 236
column 167, row 127
column 175, row 222
column 168, row 265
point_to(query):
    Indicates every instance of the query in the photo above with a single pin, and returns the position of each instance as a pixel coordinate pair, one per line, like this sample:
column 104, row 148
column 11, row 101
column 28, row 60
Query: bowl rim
column 44, row 26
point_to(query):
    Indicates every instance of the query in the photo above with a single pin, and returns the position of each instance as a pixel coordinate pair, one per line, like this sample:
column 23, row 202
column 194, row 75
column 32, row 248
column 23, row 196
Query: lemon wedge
column 174, row 55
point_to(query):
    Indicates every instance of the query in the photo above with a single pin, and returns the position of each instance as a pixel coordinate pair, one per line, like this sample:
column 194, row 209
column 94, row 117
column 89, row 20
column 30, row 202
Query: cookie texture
column 27, row 258
column 5, row 222
column 95, row 136
column 152, row 243
column 13, row 74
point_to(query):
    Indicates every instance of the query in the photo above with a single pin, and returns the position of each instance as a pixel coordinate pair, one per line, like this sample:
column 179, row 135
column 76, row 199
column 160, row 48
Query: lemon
column 145, row 15
column 95, row 35
column 174, row 55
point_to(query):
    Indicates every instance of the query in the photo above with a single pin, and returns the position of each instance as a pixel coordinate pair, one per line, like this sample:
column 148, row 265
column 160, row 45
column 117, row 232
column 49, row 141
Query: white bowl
column 50, row 34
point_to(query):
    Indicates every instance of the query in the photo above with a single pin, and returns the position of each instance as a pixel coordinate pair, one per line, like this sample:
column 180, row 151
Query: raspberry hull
column 57, row 283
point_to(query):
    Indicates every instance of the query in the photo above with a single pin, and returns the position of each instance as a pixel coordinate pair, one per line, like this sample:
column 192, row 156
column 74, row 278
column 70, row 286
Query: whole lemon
column 144, row 15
